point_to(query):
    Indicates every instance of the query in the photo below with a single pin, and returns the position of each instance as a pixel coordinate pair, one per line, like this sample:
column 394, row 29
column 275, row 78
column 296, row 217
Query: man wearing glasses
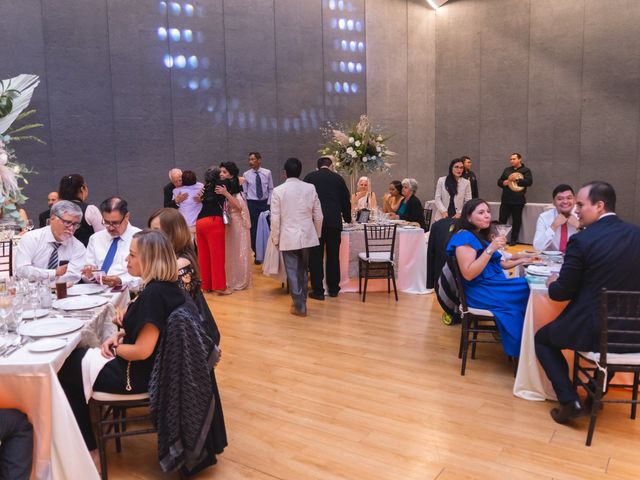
column 53, row 251
column 108, row 249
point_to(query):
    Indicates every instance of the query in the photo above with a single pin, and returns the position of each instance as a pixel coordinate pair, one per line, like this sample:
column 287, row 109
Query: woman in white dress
column 364, row 197
column 452, row 192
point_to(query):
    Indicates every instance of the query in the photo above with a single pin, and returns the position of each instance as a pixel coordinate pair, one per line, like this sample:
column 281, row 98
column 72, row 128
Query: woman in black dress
column 132, row 350
column 410, row 208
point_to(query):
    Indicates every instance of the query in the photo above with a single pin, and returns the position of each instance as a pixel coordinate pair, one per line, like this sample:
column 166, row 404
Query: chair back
column 457, row 276
column 6, row 256
column 380, row 238
column 428, row 213
column 620, row 323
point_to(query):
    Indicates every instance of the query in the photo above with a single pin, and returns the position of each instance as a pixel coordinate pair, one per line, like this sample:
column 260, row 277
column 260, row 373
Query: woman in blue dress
column 481, row 267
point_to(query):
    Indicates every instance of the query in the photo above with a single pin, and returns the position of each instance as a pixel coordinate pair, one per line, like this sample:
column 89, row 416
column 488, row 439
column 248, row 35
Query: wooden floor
column 373, row 391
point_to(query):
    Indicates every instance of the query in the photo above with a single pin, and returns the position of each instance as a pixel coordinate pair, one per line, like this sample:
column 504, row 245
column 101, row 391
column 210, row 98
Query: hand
column 108, row 347
column 444, row 214
column 87, row 271
column 457, row 215
column 573, row 221
column 181, row 197
column 559, row 221
column 112, row 281
column 197, row 198
column 118, row 317
column 222, row 190
column 552, row 278
column 61, row 270
column 497, row 243
column 505, row 182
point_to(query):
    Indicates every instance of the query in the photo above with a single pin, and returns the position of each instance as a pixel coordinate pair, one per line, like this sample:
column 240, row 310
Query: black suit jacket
column 334, row 197
column 43, row 217
column 168, row 196
column 605, row 255
column 509, row 196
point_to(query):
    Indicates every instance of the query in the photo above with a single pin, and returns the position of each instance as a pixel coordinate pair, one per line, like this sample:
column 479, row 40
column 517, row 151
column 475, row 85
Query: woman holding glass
column 452, row 192
column 483, row 278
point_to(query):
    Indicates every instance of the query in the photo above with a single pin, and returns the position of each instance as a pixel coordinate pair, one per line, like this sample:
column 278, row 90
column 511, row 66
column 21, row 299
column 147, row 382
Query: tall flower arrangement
column 15, row 95
column 358, row 149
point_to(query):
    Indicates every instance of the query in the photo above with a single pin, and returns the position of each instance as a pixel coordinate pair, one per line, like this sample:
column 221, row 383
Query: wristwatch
column 488, row 251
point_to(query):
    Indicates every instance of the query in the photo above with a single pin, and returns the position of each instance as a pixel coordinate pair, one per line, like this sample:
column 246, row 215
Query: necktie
column 53, row 259
column 108, row 260
column 258, row 186
column 564, row 236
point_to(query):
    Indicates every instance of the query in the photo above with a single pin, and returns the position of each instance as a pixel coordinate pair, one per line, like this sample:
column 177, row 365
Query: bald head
column 52, row 198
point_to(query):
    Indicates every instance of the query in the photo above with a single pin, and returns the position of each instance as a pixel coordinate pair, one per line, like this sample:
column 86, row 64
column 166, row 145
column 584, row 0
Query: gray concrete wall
column 554, row 80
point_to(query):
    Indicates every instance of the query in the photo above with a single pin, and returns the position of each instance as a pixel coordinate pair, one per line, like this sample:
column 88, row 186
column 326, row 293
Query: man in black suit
column 175, row 180
column 606, row 254
column 512, row 202
column 336, row 205
column 44, row 216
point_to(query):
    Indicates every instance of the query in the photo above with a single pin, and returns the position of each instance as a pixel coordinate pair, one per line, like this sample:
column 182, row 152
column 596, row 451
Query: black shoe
column 567, row 412
column 333, row 294
column 316, row 296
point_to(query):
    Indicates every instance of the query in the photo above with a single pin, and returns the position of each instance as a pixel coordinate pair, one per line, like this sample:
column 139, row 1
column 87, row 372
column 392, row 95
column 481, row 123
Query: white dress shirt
column 249, row 185
column 546, row 238
column 34, row 251
column 99, row 244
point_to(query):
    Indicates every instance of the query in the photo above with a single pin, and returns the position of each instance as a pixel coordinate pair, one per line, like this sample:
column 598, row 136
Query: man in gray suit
column 296, row 226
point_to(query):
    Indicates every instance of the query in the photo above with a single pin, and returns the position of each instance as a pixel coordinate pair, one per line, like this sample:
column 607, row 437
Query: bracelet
column 488, row 252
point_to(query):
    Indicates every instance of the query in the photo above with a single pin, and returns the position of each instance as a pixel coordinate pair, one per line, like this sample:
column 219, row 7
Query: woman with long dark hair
column 452, row 191
column 391, row 200
column 238, row 231
column 74, row 188
column 483, row 278
column 210, row 228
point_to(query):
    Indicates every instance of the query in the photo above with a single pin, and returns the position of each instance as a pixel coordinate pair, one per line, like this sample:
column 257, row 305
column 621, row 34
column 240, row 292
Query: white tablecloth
column 530, row 216
column 30, row 384
column 411, row 261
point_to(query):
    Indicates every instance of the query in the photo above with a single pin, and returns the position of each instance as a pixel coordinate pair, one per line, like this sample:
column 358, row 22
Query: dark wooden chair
column 428, row 213
column 474, row 322
column 377, row 261
column 620, row 331
column 6, row 256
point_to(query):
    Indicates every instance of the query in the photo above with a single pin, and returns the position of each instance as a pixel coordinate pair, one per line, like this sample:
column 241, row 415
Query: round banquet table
column 410, row 261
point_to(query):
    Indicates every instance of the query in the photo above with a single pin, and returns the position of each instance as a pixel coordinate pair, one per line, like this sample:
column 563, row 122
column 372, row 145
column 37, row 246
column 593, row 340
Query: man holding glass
column 53, row 251
column 108, row 249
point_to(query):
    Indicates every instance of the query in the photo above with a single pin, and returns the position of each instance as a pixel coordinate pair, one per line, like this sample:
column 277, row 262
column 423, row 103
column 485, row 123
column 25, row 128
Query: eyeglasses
column 113, row 224
column 68, row 223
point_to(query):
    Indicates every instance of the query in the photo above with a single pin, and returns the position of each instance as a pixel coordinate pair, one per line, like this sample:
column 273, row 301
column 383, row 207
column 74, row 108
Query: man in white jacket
column 556, row 225
column 296, row 226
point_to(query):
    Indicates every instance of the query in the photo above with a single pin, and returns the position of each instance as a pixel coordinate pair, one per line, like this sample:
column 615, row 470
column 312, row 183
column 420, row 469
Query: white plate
column 85, row 289
column 47, row 345
column 50, row 327
column 81, row 302
column 552, row 253
column 39, row 312
column 409, row 227
column 538, row 270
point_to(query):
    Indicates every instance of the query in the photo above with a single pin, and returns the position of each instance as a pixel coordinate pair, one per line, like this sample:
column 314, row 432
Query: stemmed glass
column 503, row 230
column 6, row 310
column 30, row 225
column 34, row 297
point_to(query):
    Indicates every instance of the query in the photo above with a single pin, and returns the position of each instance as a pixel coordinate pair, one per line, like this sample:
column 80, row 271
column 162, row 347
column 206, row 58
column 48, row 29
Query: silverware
column 18, row 343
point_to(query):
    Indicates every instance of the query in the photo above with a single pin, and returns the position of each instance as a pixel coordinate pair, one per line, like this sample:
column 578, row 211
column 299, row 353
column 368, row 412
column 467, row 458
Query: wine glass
column 6, row 310
column 503, row 230
column 30, row 225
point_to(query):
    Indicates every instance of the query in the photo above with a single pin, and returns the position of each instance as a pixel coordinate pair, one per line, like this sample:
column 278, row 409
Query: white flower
column 354, row 154
column 358, row 143
column 379, row 139
column 378, row 149
column 351, row 139
column 373, row 157
column 364, row 160
column 4, row 158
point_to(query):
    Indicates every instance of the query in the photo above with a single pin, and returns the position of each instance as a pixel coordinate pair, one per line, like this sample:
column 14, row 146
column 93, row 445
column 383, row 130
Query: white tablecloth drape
column 30, row 384
column 411, row 261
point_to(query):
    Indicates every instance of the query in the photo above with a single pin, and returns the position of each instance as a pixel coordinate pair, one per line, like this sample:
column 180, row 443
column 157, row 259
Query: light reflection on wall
column 193, row 73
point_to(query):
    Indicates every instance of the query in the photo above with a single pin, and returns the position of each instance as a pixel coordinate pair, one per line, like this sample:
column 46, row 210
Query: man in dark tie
column 336, row 206
column 108, row 249
column 257, row 186
column 44, row 216
column 606, row 254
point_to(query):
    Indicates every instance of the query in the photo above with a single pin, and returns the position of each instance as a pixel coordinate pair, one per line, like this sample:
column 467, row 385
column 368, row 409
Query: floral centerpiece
column 356, row 150
column 15, row 95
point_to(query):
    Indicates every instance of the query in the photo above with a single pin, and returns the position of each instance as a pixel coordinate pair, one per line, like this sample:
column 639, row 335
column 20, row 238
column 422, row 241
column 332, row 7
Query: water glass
column 44, row 293
column 18, row 308
column 6, row 312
